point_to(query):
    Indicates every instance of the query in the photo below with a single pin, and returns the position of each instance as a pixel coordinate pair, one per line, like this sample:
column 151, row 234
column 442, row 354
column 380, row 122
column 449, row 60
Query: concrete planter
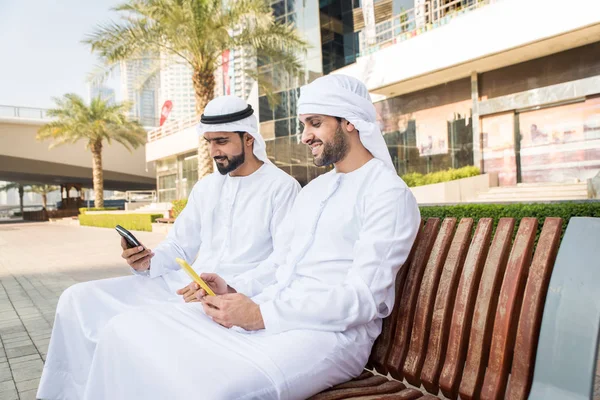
column 458, row 191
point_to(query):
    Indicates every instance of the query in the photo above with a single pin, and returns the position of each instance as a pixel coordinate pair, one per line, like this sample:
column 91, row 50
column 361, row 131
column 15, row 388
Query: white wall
column 18, row 140
column 493, row 29
column 178, row 143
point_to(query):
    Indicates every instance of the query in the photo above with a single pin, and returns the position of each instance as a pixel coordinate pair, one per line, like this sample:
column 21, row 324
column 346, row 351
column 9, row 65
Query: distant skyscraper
column 176, row 85
column 142, row 91
column 98, row 89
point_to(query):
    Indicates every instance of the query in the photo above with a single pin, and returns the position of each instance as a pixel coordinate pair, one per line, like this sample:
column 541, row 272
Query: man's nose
column 307, row 136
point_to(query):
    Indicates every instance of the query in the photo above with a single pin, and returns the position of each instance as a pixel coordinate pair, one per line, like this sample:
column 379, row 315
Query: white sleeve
column 183, row 240
column 254, row 281
column 389, row 228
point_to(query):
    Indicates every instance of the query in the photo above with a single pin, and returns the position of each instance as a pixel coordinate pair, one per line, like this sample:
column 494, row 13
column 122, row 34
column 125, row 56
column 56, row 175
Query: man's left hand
column 234, row 309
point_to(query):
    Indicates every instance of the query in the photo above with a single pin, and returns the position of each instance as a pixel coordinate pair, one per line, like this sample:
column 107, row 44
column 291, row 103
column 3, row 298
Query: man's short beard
column 335, row 150
column 233, row 163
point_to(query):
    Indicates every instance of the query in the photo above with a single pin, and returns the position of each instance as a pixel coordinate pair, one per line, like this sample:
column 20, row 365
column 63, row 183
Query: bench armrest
column 568, row 343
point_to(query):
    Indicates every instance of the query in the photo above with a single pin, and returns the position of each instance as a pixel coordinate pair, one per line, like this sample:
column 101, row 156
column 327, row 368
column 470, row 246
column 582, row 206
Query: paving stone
column 6, row 386
column 21, row 351
column 28, row 395
column 11, row 336
column 5, row 374
column 28, row 385
column 11, row 329
column 27, row 370
column 18, row 360
column 20, row 343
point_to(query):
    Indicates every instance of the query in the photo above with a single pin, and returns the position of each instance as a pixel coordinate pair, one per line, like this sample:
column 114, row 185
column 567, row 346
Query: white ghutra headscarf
column 233, row 114
column 346, row 97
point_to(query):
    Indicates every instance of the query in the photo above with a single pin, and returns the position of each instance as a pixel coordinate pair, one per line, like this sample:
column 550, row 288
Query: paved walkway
column 37, row 262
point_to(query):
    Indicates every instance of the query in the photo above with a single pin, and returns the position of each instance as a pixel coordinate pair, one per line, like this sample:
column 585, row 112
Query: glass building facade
column 176, row 176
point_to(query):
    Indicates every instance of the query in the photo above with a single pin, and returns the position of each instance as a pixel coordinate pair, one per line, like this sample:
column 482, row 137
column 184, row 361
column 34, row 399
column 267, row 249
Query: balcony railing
column 416, row 21
column 42, row 114
column 172, row 127
column 23, row 112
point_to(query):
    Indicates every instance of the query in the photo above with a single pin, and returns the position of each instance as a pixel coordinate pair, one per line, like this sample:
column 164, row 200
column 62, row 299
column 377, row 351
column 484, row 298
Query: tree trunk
column 21, row 194
column 204, row 87
column 98, row 174
column 45, row 200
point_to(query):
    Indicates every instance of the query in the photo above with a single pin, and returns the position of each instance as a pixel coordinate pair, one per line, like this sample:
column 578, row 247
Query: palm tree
column 96, row 123
column 39, row 189
column 198, row 32
column 15, row 185
column 42, row 190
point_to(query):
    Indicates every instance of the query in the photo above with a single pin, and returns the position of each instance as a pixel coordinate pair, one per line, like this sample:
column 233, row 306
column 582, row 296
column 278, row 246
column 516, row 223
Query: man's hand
column 189, row 292
column 138, row 258
column 234, row 309
column 216, row 283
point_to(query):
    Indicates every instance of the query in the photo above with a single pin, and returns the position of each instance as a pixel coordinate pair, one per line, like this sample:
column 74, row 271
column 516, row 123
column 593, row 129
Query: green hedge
column 178, row 206
column 540, row 211
column 83, row 210
column 134, row 222
column 415, row 179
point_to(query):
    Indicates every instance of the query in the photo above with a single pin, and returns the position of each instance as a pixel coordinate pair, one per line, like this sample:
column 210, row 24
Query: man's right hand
column 138, row 258
column 216, row 283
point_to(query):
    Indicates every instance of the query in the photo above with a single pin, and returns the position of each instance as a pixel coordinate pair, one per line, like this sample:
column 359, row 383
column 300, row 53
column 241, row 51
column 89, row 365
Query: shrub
column 540, row 211
column 135, row 222
column 178, row 206
column 413, row 179
column 83, row 210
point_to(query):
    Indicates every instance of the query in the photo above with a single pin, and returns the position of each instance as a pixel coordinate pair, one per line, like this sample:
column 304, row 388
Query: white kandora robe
column 229, row 223
column 322, row 296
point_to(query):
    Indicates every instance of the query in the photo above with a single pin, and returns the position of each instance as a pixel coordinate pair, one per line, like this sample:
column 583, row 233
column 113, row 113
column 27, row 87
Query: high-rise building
column 140, row 85
column 100, row 90
column 176, row 85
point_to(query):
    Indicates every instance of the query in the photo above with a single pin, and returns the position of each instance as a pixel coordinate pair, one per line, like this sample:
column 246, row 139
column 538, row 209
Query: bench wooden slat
column 456, row 352
column 485, row 308
column 375, row 380
column 534, row 298
column 507, row 312
column 407, row 302
column 384, row 388
column 382, row 345
column 444, row 304
column 406, row 394
column 429, row 285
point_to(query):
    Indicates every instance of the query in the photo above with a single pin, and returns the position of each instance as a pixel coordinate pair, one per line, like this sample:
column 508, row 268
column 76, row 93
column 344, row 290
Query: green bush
column 134, row 222
column 83, row 210
column 178, row 206
column 415, row 179
column 540, row 211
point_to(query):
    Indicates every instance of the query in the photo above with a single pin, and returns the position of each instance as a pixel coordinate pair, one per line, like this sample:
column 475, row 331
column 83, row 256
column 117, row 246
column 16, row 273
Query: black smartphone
column 129, row 238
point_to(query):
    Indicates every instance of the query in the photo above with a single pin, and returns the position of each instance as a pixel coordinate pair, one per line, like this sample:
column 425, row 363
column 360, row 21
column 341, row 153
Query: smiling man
column 306, row 318
column 227, row 227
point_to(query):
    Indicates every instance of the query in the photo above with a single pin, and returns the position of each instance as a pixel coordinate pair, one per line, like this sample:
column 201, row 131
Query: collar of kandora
column 226, row 118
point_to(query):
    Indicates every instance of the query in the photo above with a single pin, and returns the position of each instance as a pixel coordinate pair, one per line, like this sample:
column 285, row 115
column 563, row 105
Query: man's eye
column 316, row 124
column 221, row 142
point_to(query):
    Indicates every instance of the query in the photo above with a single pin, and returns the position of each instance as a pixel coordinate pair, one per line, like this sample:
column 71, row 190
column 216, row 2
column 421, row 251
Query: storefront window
column 560, row 144
column 427, row 140
column 167, row 188
column 499, row 147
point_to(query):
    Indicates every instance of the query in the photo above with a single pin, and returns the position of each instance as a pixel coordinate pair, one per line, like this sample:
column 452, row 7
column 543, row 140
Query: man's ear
column 249, row 139
column 349, row 127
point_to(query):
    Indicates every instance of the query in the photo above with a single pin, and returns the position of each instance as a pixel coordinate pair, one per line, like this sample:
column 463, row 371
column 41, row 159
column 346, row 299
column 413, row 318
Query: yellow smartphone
column 186, row 267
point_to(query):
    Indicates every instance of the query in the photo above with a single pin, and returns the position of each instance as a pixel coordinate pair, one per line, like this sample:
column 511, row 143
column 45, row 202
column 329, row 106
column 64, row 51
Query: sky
column 41, row 54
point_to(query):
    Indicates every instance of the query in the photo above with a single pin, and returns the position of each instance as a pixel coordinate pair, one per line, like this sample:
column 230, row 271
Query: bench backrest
column 469, row 305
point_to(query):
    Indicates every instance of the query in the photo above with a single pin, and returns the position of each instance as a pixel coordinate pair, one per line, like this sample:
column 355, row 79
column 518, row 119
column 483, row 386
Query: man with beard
column 306, row 318
column 227, row 227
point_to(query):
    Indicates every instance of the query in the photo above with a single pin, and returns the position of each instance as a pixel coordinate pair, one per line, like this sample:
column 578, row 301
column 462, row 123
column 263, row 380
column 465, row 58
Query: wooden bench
column 474, row 317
